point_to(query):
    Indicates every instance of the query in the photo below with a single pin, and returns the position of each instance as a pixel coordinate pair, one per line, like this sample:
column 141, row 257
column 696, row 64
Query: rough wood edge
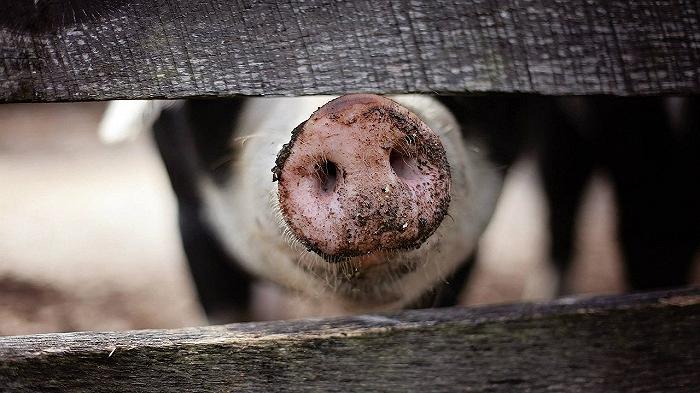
column 651, row 339
column 184, row 48
column 320, row 328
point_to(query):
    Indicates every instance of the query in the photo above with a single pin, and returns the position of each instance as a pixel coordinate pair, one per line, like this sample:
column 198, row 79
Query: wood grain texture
column 634, row 343
column 106, row 49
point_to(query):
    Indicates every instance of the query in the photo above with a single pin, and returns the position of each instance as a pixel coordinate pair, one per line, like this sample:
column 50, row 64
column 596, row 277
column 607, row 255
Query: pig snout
column 362, row 174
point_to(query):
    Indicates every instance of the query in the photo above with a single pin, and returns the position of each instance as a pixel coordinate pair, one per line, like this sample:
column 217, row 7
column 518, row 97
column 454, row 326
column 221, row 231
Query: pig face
column 375, row 199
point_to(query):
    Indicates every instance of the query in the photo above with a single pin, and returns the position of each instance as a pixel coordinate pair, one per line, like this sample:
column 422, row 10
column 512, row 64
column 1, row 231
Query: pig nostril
column 404, row 165
column 327, row 174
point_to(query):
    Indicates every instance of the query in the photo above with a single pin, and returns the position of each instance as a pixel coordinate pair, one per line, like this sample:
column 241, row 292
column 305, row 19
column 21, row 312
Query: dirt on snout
column 390, row 179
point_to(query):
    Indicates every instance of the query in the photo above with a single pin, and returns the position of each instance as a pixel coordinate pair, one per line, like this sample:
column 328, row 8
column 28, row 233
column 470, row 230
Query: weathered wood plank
column 640, row 343
column 106, row 49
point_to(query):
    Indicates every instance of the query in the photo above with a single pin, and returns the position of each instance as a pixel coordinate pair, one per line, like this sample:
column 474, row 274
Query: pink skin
column 363, row 174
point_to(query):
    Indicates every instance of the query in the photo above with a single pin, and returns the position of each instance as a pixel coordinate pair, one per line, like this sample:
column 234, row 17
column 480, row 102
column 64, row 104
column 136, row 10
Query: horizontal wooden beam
column 107, row 49
column 640, row 342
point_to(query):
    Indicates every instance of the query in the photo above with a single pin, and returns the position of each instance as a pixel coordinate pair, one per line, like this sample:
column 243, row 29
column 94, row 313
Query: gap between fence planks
column 644, row 342
column 107, row 49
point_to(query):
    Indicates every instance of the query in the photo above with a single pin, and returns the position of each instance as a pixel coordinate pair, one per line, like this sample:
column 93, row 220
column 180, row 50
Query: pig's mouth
column 369, row 260
column 375, row 260
column 371, row 280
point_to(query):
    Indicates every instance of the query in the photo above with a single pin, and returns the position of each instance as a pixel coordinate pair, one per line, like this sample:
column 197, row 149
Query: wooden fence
column 106, row 49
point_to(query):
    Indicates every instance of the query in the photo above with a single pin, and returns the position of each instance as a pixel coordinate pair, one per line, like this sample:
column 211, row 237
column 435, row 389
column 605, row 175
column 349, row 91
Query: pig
column 358, row 203
column 259, row 182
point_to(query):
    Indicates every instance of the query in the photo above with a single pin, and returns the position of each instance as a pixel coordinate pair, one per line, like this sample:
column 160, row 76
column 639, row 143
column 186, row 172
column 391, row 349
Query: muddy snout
column 362, row 174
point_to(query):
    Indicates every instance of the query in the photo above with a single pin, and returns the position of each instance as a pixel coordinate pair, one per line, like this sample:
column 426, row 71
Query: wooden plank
column 641, row 343
column 107, row 49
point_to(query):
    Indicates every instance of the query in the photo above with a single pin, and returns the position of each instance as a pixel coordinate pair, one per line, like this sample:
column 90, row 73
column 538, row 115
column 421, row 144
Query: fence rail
column 641, row 342
column 107, row 49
